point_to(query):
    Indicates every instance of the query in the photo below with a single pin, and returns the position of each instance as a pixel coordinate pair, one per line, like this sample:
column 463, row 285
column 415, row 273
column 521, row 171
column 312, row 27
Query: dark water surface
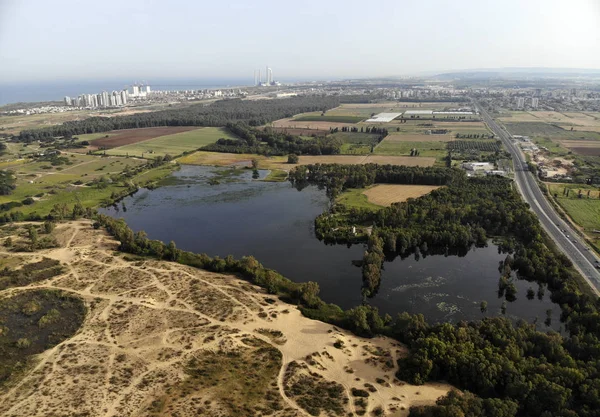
column 275, row 223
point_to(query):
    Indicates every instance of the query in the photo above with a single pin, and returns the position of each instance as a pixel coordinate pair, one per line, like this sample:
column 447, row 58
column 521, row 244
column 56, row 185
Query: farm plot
column 326, row 118
column 582, row 147
column 435, row 149
column 129, row 136
column 386, row 194
column 173, row 144
column 419, row 138
column 301, row 131
column 319, row 125
column 549, row 130
column 474, row 145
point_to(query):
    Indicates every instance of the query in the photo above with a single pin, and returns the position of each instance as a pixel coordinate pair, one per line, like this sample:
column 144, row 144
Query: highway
column 565, row 237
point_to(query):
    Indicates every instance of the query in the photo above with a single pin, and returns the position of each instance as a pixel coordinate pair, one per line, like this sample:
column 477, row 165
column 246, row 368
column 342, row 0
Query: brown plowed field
column 587, row 151
column 129, row 136
column 582, row 147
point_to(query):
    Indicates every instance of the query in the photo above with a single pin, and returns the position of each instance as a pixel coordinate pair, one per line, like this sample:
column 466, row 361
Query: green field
column 356, row 143
column 335, row 119
column 585, row 212
column 435, row 149
column 354, row 197
column 91, row 136
column 173, row 145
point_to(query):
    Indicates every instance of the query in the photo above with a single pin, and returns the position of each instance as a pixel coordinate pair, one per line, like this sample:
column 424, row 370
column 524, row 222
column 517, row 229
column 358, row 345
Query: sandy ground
column 386, row 194
column 146, row 319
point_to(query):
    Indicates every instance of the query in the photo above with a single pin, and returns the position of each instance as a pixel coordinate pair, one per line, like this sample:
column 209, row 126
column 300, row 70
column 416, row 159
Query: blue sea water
column 52, row 91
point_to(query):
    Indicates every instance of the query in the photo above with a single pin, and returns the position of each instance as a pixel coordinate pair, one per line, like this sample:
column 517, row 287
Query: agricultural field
column 582, row 147
column 327, row 118
column 290, row 123
column 301, row 132
column 386, row 194
column 393, row 138
column 582, row 121
column 420, row 127
column 584, row 210
column 435, row 150
column 356, row 143
column 93, row 136
column 280, row 162
column 552, row 131
column 117, row 138
column 173, row 144
column 475, row 145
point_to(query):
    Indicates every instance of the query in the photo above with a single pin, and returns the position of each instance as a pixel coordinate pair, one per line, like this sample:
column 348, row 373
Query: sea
column 56, row 91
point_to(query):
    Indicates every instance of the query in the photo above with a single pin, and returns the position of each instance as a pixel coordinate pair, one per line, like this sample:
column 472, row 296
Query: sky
column 60, row 40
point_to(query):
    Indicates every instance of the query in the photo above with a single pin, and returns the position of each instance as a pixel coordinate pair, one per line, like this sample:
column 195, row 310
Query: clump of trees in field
column 7, row 182
column 270, row 142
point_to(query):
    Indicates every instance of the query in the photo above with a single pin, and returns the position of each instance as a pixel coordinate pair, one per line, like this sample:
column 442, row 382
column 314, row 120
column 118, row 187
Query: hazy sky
column 66, row 39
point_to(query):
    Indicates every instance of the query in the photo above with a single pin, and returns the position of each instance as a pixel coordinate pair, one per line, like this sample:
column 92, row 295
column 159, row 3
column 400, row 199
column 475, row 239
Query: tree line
column 219, row 113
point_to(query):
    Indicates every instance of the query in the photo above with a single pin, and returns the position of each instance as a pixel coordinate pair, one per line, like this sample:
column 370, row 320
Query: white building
column 478, row 166
column 520, row 102
column 68, row 101
column 535, row 102
column 105, row 99
column 124, row 96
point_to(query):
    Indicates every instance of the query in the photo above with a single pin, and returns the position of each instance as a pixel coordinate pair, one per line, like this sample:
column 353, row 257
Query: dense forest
column 515, row 370
column 220, row 113
column 269, row 142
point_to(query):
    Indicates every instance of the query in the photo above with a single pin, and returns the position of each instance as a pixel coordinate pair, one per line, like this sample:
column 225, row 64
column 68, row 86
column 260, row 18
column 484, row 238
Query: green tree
column 293, row 158
column 49, row 226
column 309, row 292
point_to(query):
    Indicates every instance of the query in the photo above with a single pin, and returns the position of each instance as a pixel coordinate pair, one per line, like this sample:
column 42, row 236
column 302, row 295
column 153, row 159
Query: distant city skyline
column 68, row 40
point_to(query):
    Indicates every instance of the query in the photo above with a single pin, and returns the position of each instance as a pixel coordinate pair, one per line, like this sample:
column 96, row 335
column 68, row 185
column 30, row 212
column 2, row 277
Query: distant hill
column 519, row 73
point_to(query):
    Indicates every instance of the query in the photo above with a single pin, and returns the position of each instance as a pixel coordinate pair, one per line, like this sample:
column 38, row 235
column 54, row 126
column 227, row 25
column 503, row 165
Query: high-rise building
column 535, row 102
column 147, row 89
column 136, row 91
column 94, row 100
column 105, row 99
column 124, row 96
column 68, row 101
column 520, row 102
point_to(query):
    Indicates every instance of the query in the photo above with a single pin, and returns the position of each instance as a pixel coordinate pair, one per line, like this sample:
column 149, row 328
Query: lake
column 275, row 223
